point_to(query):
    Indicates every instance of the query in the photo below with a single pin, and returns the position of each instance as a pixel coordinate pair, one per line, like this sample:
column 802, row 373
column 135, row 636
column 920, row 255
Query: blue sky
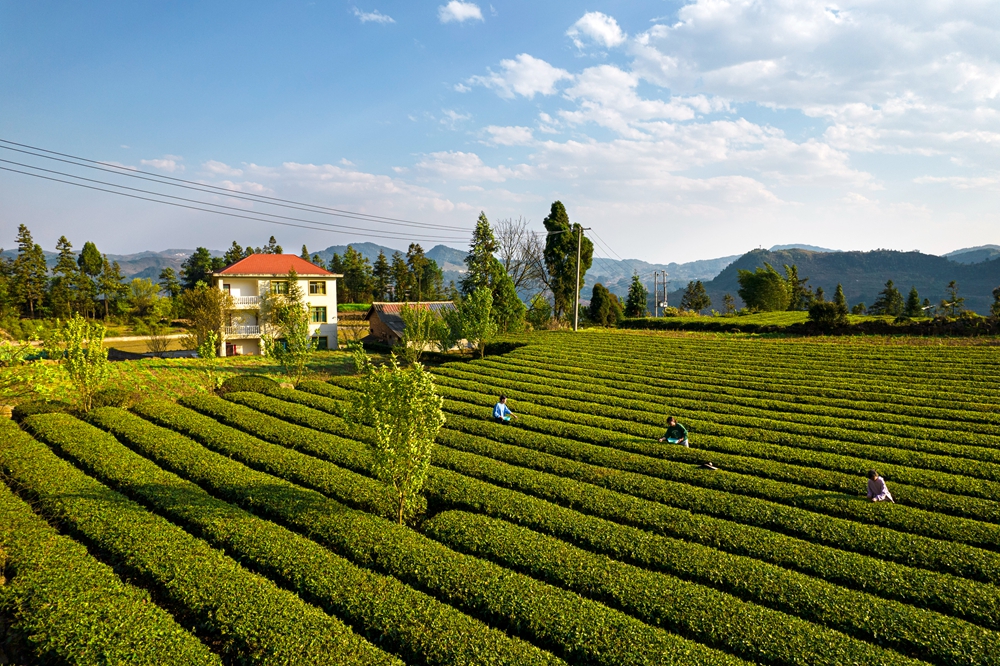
column 677, row 130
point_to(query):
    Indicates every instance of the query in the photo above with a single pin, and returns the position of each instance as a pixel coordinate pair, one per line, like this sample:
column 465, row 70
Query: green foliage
column 953, row 304
column 381, row 277
column 85, row 359
column 31, row 407
column 240, row 611
column 913, row 307
column 403, row 408
column 478, row 324
column 255, row 383
column 114, row 397
column 695, row 297
column 23, row 377
column 605, row 310
column 828, row 314
column 356, row 285
column 729, row 303
column 480, row 260
column 508, row 309
column 196, row 268
column 288, row 340
column 29, row 272
column 859, row 309
column 638, row 295
column 421, row 326
column 839, row 299
column 800, row 296
column 763, row 290
column 63, row 299
column 889, row 302
column 561, row 247
column 995, row 308
column 539, row 312
column 208, row 309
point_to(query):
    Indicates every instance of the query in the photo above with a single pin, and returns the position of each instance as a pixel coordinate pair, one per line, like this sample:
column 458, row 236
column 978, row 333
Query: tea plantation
column 247, row 529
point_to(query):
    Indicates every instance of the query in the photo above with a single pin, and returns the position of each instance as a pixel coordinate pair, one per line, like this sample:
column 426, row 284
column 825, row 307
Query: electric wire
column 217, row 212
column 189, row 184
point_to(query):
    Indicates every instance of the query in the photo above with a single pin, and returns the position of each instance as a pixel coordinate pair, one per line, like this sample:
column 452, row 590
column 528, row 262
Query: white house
column 260, row 274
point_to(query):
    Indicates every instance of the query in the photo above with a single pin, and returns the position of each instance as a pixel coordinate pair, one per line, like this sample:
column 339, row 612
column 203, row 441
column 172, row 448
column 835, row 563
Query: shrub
column 828, row 314
column 114, row 397
column 255, row 383
column 26, row 409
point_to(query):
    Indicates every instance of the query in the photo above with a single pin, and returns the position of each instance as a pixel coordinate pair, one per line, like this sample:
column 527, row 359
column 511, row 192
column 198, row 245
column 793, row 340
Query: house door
column 230, row 349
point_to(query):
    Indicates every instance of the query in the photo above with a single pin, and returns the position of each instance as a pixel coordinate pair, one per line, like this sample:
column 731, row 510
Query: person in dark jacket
column 676, row 433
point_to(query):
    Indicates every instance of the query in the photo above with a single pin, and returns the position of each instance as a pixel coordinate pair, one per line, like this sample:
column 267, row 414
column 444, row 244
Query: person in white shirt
column 877, row 490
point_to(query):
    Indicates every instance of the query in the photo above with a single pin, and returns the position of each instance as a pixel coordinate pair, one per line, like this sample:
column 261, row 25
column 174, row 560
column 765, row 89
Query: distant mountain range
column 862, row 274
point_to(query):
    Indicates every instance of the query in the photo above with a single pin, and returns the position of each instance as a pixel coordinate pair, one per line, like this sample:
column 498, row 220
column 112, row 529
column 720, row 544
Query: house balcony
column 242, row 331
column 246, row 301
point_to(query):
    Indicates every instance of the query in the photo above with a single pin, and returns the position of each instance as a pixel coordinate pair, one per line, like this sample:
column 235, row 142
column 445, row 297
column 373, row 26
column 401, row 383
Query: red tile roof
column 273, row 264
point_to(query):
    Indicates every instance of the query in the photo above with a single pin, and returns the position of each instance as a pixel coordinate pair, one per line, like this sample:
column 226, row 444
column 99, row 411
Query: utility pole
column 665, row 300
column 656, row 295
column 576, row 303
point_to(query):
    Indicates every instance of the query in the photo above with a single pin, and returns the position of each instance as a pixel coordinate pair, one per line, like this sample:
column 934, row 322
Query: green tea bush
column 256, row 383
column 26, row 409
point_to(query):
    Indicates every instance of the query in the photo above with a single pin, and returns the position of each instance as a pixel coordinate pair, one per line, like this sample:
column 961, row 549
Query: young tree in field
column 405, row 412
column 420, row 328
column 889, row 301
column 953, row 304
column 859, row 308
column 381, row 277
column 143, row 298
column 478, row 324
column 62, row 294
column 913, row 307
column 695, row 297
column 85, row 359
column 763, row 290
column 839, row 299
column 209, row 311
column 286, row 316
column 539, row 312
column 729, row 304
column 560, row 257
column 30, row 274
column 635, row 302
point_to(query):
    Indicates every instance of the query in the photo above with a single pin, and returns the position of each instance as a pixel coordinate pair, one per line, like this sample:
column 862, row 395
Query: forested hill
column 863, row 275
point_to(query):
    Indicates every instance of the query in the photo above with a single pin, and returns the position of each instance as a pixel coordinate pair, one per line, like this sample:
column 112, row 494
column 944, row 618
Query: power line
column 607, row 247
column 203, row 203
column 203, row 187
column 209, row 210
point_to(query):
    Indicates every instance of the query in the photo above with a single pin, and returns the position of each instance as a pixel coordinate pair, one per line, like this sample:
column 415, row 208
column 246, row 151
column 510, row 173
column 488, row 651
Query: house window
column 317, row 287
column 322, row 342
column 317, row 315
column 279, row 286
column 227, row 288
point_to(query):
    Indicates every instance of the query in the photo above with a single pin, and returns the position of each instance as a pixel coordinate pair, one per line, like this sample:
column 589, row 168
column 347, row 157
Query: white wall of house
column 320, row 296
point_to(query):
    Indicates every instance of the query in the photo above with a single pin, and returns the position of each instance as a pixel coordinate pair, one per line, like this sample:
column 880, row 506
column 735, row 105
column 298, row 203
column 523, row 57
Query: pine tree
column 479, row 260
column 272, row 247
column 416, row 261
column 600, row 305
column 29, row 271
column 953, row 304
column 839, row 299
column 110, row 283
column 889, row 302
column 799, row 294
column 62, row 294
column 820, row 296
column 357, row 277
column 305, row 252
column 169, row 283
column 400, row 277
column 912, row 307
column 695, row 297
column 508, row 309
column 381, row 277
column 234, row 254
column 635, row 302
column 560, row 257
column 196, row 268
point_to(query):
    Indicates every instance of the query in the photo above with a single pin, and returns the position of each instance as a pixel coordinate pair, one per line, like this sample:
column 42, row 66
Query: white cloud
column 169, row 163
column 961, row 182
column 451, row 118
column 374, row 16
column 510, row 136
column 599, row 27
column 220, row 169
column 459, row 12
column 525, row 75
column 462, row 166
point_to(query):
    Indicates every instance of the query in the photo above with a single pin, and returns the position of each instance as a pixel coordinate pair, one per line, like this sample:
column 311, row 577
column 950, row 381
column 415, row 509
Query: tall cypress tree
column 400, row 277
column 479, row 260
column 839, row 299
column 110, row 283
column 560, row 257
column 635, row 302
column 913, row 308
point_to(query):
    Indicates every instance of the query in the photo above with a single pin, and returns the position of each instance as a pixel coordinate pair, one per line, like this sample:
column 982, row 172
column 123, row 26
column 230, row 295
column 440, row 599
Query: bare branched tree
column 521, row 253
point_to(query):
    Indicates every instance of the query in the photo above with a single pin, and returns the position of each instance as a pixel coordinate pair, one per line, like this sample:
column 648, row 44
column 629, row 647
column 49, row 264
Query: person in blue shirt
column 502, row 413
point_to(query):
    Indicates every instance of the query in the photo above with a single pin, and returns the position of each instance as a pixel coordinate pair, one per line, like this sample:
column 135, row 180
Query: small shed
column 386, row 323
